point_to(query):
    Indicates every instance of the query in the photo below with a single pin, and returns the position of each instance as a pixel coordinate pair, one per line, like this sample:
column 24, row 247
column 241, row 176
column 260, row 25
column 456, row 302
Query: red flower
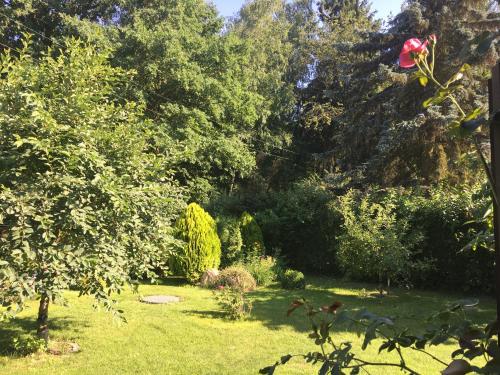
column 411, row 48
column 220, row 287
column 433, row 39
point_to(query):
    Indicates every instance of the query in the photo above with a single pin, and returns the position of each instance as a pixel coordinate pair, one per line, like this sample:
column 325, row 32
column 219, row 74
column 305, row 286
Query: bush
column 291, row 279
column 202, row 250
column 253, row 242
column 237, row 277
column 234, row 302
column 85, row 201
column 446, row 217
column 26, row 345
column 263, row 269
column 231, row 240
column 304, row 223
column 375, row 245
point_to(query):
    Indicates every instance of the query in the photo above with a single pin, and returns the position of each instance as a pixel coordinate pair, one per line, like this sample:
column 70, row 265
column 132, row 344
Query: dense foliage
column 202, row 249
column 119, row 113
column 85, row 201
column 264, row 270
column 253, row 242
column 292, row 279
column 231, row 240
column 375, row 244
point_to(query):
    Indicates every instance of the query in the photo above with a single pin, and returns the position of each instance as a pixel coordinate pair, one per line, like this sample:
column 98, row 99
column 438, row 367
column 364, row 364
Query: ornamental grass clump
column 237, row 277
column 263, row 269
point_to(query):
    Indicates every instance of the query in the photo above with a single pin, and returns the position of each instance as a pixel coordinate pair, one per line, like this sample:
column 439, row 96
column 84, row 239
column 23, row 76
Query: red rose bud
column 411, row 50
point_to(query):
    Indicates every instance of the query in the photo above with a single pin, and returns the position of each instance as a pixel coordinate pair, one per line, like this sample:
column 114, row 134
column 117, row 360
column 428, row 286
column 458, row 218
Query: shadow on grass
column 19, row 327
column 210, row 314
column 409, row 309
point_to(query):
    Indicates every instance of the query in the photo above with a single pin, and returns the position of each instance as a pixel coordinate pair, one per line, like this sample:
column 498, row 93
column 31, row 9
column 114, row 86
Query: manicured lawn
column 192, row 337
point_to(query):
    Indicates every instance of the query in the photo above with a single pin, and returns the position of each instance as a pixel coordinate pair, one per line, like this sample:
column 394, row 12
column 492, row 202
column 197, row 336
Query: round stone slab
column 158, row 300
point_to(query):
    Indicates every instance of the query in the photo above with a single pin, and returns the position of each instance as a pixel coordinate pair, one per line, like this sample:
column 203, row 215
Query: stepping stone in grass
column 159, row 300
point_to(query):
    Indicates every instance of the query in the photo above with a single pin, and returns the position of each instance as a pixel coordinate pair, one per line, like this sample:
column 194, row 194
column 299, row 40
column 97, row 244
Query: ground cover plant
column 188, row 336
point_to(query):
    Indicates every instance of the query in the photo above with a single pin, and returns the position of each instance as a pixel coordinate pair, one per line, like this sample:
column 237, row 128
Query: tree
column 383, row 134
column 202, row 249
column 195, row 82
column 46, row 19
column 85, row 200
column 279, row 36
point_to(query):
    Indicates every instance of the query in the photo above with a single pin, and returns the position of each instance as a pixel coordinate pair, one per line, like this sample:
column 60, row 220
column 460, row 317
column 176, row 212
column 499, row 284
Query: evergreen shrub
column 202, row 249
column 253, row 241
column 231, row 240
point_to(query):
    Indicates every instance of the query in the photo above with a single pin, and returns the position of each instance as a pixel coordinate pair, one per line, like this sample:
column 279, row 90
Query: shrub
column 237, row 277
column 263, row 269
column 26, row 345
column 202, row 250
column 231, row 240
column 375, row 245
column 253, row 242
column 302, row 221
column 446, row 217
column 234, row 302
column 291, row 279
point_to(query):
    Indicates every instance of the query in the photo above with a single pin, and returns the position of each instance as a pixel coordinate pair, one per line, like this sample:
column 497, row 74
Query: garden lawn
column 192, row 337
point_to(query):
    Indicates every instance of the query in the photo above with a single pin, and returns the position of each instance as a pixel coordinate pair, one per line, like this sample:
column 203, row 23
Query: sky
column 228, row 8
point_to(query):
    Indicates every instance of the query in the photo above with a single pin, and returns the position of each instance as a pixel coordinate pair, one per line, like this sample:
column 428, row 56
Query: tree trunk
column 43, row 317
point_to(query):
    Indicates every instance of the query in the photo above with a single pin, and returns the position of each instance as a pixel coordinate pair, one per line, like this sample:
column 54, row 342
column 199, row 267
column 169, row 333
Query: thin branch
column 430, row 355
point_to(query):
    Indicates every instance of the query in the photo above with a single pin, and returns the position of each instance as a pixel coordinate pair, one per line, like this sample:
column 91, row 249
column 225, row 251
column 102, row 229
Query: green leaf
column 285, row 359
column 267, row 370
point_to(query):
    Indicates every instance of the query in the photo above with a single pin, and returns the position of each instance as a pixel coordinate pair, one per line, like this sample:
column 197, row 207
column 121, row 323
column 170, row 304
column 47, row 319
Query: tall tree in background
column 45, row 18
column 280, row 36
column 324, row 101
column 382, row 128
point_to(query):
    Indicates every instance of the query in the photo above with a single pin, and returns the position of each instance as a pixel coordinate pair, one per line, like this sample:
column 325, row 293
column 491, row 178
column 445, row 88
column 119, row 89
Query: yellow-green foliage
column 202, row 250
column 253, row 241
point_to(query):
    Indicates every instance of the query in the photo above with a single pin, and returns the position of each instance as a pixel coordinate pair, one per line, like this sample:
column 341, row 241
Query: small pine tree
column 202, row 250
column 231, row 241
column 253, row 241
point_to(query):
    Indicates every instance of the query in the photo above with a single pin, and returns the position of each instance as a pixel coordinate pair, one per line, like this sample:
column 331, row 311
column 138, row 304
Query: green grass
column 192, row 337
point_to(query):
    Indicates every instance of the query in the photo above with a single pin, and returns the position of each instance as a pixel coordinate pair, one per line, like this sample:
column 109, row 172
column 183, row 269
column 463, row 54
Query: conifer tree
column 253, row 241
column 202, row 249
